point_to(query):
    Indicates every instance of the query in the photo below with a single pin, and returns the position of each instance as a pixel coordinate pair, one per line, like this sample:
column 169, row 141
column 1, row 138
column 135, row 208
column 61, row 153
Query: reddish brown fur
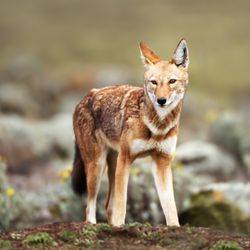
column 112, row 119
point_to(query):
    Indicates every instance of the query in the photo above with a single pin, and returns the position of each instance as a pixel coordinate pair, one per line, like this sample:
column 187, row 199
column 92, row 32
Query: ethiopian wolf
column 115, row 125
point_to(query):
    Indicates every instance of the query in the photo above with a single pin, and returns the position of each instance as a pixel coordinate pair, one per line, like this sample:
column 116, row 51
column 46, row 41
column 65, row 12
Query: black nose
column 161, row 101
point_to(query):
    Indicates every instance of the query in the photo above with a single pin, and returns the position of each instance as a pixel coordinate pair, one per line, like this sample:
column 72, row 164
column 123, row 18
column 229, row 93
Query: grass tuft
column 104, row 228
column 226, row 245
column 68, row 236
column 199, row 243
column 5, row 245
column 40, row 238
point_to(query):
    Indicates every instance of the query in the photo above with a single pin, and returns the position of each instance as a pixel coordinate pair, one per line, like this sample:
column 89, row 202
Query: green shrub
column 226, row 245
column 5, row 245
column 40, row 238
column 199, row 243
column 90, row 231
column 15, row 211
column 68, row 236
column 18, row 207
column 104, row 228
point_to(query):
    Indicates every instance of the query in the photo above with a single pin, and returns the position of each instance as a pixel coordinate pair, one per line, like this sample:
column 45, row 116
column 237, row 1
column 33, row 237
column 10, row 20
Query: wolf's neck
column 160, row 120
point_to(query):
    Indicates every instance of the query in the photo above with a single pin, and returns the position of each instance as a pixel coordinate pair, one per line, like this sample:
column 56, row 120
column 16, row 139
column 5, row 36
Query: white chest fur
column 166, row 146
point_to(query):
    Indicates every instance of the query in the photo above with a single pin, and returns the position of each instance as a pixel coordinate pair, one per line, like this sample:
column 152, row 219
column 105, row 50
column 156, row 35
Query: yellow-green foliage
column 104, row 228
column 68, row 236
column 90, row 231
column 5, row 245
column 40, row 238
column 226, row 245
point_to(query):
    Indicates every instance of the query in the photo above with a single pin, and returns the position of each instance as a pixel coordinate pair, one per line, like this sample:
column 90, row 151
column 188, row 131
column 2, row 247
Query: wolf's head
column 165, row 81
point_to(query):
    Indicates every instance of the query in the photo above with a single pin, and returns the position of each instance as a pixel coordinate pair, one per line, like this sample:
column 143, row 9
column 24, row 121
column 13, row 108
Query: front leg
column 164, row 184
column 121, row 187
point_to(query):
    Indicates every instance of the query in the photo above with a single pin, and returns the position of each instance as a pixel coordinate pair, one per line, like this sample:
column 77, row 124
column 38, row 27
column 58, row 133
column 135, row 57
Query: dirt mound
column 77, row 235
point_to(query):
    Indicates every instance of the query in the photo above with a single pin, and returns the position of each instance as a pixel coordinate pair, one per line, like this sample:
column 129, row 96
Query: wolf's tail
column 79, row 183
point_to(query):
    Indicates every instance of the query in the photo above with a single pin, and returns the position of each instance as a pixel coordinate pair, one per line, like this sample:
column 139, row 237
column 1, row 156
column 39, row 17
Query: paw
column 173, row 224
column 117, row 223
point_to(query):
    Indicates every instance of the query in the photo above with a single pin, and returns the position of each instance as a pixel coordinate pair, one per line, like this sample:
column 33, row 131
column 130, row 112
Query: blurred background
column 53, row 52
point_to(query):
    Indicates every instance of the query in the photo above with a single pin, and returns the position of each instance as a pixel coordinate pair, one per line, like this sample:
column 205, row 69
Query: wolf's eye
column 171, row 81
column 154, row 82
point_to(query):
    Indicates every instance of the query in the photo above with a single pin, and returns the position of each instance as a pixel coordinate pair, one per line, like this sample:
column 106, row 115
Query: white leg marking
column 92, row 211
column 91, row 202
column 164, row 186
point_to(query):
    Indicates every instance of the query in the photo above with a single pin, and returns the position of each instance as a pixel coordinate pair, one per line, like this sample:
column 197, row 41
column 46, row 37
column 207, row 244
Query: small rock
column 236, row 192
column 205, row 157
column 32, row 142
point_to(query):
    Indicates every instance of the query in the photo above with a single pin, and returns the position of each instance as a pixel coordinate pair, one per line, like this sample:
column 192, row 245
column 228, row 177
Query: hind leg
column 93, row 152
column 111, row 160
column 95, row 169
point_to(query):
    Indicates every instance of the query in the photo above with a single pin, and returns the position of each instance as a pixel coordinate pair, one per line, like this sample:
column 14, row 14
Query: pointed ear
column 148, row 56
column 181, row 57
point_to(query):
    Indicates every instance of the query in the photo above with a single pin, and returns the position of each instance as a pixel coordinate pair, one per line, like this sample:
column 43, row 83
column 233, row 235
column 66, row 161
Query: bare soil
column 78, row 235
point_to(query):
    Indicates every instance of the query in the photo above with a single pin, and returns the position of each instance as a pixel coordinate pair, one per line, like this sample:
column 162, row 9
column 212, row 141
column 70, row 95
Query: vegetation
column 68, row 236
column 12, row 203
column 226, row 245
column 130, row 236
column 5, row 245
column 40, row 238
